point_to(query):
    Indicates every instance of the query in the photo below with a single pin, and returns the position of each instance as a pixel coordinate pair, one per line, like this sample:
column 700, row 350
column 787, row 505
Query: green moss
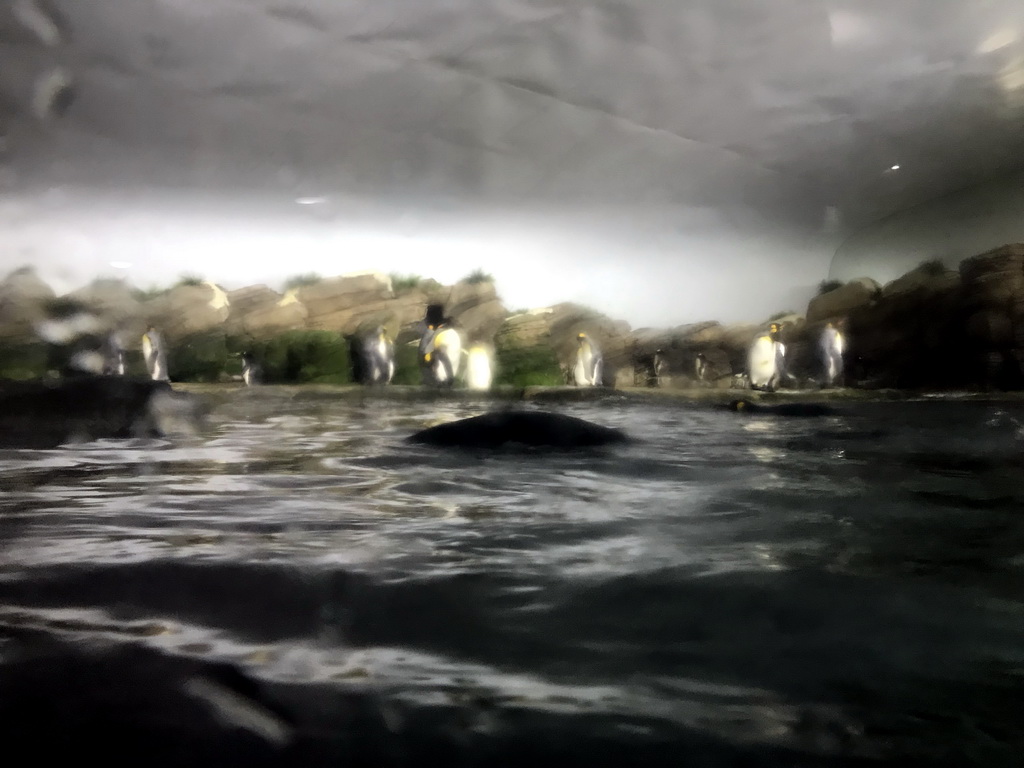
column 298, row 281
column 407, row 366
column 478, row 276
column 314, row 357
column 24, row 361
column 828, row 285
column 203, row 357
column 933, row 267
column 191, row 280
column 402, row 283
column 536, row 366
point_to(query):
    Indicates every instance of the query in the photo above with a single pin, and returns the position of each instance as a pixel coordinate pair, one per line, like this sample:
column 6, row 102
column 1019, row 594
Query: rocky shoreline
column 934, row 328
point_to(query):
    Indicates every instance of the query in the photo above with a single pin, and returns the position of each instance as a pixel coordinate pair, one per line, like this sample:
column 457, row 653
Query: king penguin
column 589, row 366
column 832, row 347
column 440, row 348
column 763, row 360
column 113, row 355
column 154, row 354
column 378, row 352
column 252, row 374
column 478, row 367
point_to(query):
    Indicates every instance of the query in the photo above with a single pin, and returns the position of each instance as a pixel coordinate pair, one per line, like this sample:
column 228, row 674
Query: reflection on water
column 845, row 586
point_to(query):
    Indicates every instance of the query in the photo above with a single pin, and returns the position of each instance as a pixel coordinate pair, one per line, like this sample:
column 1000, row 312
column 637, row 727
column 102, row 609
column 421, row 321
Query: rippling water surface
column 729, row 590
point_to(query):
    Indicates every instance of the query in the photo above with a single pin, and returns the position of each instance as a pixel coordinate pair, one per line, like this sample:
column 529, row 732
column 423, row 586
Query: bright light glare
column 894, row 167
column 310, row 200
column 998, row 40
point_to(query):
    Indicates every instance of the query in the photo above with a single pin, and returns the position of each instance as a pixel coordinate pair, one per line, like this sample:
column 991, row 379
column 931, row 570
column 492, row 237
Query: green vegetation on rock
column 202, row 357
column 933, row 267
column 22, row 361
column 529, row 367
column 407, row 365
column 304, row 357
column 402, row 283
column 190, row 280
column 478, row 276
column 825, row 286
column 298, row 281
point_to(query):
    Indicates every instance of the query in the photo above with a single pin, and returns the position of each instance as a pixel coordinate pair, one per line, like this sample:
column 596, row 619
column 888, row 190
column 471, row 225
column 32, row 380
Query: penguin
column 660, row 368
column 478, row 368
column 113, row 356
column 154, row 354
column 589, row 367
column 440, row 349
column 832, row 347
column 700, row 367
column 378, row 356
column 252, row 372
column 763, row 360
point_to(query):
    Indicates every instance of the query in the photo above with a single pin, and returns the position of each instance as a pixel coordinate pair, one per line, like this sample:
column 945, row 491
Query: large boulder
column 24, row 298
column 114, row 303
column 839, row 302
column 259, row 312
column 342, row 304
column 476, row 310
column 995, row 279
column 189, row 310
column 923, row 278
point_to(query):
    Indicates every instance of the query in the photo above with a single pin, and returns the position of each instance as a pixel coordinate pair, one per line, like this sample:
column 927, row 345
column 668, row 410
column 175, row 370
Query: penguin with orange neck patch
column 440, row 349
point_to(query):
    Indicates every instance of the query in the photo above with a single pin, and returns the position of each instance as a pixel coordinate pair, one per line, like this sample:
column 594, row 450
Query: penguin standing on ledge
column 252, row 373
column 440, row 349
column 589, row 368
column 113, row 356
column 763, row 360
column 832, row 347
column 478, row 368
column 378, row 353
column 700, row 367
column 155, row 355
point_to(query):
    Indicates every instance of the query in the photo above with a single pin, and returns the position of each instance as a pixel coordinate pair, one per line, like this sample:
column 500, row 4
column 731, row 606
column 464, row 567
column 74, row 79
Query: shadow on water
column 729, row 591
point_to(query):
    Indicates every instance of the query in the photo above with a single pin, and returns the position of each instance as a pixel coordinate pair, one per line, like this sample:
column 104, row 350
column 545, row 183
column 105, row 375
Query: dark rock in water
column 134, row 706
column 530, row 428
column 782, row 409
column 45, row 414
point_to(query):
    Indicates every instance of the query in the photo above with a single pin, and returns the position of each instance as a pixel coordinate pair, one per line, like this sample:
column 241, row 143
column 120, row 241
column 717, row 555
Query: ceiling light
column 310, row 200
column 894, row 167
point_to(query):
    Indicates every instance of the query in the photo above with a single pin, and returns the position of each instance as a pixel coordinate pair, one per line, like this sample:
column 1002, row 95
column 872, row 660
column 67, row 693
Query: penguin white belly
column 478, row 369
column 581, row 373
column 761, row 362
column 449, row 342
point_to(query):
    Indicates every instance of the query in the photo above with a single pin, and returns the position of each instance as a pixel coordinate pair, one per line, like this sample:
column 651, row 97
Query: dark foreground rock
column 529, row 428
column 46, row 414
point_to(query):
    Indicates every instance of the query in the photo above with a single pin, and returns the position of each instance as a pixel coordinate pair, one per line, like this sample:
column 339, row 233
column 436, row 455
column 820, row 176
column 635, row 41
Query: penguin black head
column 435, row 315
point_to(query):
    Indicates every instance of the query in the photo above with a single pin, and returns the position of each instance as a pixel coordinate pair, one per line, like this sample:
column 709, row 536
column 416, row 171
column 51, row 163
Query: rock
column 188, row 310
column 261, row 313
column 995, row 278
column 23, row 301
column 528, row 428
column 923, row 278
column 45, row 414
column 340, row 304
column 840, row 302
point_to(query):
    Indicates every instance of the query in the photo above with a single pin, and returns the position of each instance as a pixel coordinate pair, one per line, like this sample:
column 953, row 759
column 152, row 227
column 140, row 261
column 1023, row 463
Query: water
column 731, row 590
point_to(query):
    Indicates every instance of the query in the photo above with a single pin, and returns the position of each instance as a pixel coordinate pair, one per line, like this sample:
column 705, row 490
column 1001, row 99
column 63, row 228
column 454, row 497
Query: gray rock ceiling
column 778, row 109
